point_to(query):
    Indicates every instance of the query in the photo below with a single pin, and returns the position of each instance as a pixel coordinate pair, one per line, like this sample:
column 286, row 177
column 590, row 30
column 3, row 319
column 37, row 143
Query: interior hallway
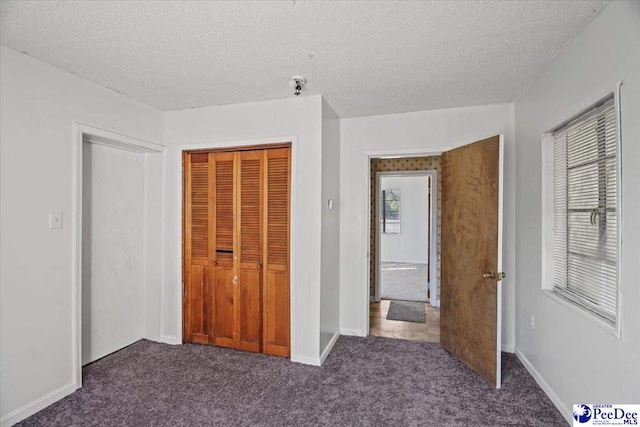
column 381, row 327
column 405, row 281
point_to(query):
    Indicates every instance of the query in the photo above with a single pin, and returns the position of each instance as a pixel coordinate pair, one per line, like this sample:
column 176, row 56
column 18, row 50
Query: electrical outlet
column 532, row 321
column 55, row 219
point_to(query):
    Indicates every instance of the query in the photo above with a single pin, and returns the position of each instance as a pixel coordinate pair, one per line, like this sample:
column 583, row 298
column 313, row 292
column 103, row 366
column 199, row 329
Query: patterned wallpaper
column 403, row 164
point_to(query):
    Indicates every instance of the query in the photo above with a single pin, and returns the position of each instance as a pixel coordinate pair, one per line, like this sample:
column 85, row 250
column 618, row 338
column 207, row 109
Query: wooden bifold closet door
column 236, row 249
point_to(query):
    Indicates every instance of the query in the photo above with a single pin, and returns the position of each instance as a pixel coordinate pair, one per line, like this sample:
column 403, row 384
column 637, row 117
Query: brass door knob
column 494, row 276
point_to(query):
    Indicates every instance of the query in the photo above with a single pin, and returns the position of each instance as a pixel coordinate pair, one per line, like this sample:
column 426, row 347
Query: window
column 584, row 239
column 390, row 211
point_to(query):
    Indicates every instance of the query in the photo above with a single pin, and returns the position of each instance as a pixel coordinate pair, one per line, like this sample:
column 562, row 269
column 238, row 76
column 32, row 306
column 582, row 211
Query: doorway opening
column 112, row 249
column 471, row 178
column 117, row 235
column 404, row 289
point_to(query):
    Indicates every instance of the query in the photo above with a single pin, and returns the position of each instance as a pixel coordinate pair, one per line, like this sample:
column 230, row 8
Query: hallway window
column 391, row 211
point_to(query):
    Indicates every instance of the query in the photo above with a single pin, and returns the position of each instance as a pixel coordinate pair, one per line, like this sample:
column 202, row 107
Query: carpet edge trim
column 544, row 385
column 37, row 404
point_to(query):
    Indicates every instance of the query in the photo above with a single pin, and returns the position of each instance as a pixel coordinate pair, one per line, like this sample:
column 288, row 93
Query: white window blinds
column 585, row 240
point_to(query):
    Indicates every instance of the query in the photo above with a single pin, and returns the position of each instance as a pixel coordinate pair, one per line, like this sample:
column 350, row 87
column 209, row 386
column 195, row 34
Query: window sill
column 593, row 318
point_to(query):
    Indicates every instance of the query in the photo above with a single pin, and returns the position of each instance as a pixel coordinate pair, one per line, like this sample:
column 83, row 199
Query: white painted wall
column 330, row 239
column 155, row 200
column 39, row 104
column 249, row 124
column 575, row 359
column 417, row 133
column 412, row 244
column 112, row 249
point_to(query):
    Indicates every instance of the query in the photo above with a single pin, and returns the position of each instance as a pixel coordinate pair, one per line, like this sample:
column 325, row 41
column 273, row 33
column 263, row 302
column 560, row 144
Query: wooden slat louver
column 224, row 205
column 250, row 218
column 199, row 206
column 278, row 210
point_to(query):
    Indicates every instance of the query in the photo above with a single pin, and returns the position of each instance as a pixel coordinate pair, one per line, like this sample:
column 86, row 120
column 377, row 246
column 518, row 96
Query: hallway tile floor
column 381, row 327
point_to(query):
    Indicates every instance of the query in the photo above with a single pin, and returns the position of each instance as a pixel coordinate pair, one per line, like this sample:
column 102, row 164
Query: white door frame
column 367, row 156
column 500, row 267
column 433, row 231
column 85, row 133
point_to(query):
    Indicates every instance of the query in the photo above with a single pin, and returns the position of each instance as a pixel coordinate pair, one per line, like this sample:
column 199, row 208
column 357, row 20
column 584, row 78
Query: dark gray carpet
column 406, row 311
column 403, row 281
column 364, row 382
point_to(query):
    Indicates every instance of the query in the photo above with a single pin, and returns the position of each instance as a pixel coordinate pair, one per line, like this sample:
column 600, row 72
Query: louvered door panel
column 199, row 206
column 197, row 274
column 250, row 200
column 223, row 304
column 278, row 207
column 250, row 310
column 249, row 232
column 225, row 294
column 224, row 183
column 197, row 298
column 276, row 292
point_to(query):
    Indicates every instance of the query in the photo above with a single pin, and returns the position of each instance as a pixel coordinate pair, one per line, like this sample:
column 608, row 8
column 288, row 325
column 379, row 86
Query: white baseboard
column 36, row 405
column 327, row 349
column 306, row 360
column 352, row 332
column 171, row 340
column 544, row 385
column 508, row 348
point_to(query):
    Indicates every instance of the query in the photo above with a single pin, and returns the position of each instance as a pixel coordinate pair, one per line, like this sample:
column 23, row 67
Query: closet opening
column 236, row 255
column 112, row 249
column 117, row 243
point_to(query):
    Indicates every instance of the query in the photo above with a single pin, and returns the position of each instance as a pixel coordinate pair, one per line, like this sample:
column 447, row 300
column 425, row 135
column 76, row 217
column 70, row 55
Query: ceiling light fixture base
column 297, row 83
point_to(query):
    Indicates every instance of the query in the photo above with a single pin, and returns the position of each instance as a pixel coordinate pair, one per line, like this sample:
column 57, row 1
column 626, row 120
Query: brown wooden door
column 470, row 311
column 197, row 270
column 223, row 237
column 276, row 265
column 249, row 249
column 236, row 249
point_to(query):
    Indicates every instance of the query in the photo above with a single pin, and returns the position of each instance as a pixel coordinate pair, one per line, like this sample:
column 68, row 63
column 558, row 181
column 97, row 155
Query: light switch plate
column 55, row 219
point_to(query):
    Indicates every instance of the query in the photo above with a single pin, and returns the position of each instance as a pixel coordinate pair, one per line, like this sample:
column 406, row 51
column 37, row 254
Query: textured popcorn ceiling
column 367, row 58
